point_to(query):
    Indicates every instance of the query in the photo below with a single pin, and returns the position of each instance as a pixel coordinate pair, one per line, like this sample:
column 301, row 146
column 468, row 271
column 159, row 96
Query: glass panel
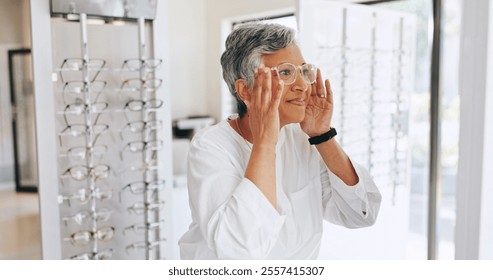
column 378, row 60
column 419, row 124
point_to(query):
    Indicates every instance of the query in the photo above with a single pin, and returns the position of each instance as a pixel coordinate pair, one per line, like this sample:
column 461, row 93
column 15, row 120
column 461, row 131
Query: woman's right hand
column 263, row 107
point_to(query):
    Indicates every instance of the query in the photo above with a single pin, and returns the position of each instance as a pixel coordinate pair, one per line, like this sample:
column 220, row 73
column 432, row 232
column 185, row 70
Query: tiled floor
column 20, row 235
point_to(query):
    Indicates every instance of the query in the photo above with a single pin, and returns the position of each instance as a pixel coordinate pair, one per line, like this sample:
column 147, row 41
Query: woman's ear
column 242, row 90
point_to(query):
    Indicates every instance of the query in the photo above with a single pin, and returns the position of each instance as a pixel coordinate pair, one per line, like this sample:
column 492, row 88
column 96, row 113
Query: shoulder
column 218, row 137
column 215, row 146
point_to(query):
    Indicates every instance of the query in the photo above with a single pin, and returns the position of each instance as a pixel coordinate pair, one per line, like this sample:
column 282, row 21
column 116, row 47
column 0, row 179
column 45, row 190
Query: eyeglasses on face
column 288, row 72
column 82, row 172
column 84, row 237
column 100, row 215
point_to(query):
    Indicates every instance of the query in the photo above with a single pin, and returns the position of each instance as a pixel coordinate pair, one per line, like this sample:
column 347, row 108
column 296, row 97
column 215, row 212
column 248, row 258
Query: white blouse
column 232, row 219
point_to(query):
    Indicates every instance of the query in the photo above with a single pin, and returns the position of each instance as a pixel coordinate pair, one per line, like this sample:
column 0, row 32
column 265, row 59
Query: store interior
column 134, row 161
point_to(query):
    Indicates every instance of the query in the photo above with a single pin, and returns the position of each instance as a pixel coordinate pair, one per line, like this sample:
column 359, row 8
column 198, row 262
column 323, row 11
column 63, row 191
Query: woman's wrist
column 319, row 138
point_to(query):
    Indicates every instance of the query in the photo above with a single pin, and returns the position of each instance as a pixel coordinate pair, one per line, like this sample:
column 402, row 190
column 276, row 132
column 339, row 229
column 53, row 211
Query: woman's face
column 294, row 96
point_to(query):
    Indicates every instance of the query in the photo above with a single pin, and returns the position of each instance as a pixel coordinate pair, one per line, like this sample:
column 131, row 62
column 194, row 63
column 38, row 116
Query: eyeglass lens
column 84, row 237
column 288, row 72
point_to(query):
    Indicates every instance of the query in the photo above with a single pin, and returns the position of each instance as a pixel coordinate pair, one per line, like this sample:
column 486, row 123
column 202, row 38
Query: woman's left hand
column 318, row 113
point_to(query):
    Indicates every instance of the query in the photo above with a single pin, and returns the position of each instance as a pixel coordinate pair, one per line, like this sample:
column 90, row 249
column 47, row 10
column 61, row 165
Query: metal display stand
column 107, row 105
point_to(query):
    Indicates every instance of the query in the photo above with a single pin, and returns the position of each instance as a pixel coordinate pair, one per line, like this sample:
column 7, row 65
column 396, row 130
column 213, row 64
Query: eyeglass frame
column 296, row 67
column 84, row 195
column 88, row 150
column 86, row 107
column 93, row 235
column 144, row 245
column 146, row 206
column 93, row 255
column 84, row 85
column 159, row 185
column 147, row 125
column 81, row 65
column 146, row 226
column 89, row 170
column 100, row 215
column 144, row 63
column 69, row 127
column 145, row 148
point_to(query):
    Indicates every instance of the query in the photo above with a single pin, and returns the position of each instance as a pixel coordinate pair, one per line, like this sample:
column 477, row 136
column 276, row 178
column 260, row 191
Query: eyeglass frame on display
column 81, row 65
column 84, row 195
column 100, row 215
column 91, row 236
column 89, row 169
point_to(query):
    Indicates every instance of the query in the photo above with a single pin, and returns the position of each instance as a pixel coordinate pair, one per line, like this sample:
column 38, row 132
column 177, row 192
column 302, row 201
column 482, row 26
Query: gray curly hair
column 244, row 49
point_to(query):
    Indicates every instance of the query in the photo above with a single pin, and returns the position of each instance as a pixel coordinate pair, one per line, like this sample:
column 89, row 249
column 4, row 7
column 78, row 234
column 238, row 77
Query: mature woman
column 261, row 184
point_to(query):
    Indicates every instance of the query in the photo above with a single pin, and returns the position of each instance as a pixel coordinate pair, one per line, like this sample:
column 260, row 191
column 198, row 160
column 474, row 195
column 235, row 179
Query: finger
column 267, row 86
column 320, row 84
column 328, row 89
column 276, row 98
column 257, row 85
column 313, row 89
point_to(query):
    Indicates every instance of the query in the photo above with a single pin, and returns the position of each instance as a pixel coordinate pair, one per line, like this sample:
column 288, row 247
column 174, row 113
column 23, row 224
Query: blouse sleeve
column 235, row 218
column 350, row 206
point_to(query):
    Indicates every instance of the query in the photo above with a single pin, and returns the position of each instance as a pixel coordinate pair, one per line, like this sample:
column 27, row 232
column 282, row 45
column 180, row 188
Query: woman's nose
column 300, row 83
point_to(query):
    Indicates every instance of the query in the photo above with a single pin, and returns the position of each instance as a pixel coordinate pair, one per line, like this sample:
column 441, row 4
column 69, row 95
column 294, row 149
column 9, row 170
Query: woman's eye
column 285, row 73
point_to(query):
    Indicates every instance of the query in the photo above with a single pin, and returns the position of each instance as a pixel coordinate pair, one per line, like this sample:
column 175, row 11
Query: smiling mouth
column 298, row 102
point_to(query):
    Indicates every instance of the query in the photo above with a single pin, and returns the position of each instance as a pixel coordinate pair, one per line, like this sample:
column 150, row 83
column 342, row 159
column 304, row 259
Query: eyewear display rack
column 112, row 138
column 368, row 54
column 372, row 81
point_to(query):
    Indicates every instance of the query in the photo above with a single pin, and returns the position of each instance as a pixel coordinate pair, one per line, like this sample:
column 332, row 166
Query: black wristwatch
column 324, row 137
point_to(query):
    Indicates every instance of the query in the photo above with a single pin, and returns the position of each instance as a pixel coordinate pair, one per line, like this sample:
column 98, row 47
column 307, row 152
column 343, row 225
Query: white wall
column 187, row 35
